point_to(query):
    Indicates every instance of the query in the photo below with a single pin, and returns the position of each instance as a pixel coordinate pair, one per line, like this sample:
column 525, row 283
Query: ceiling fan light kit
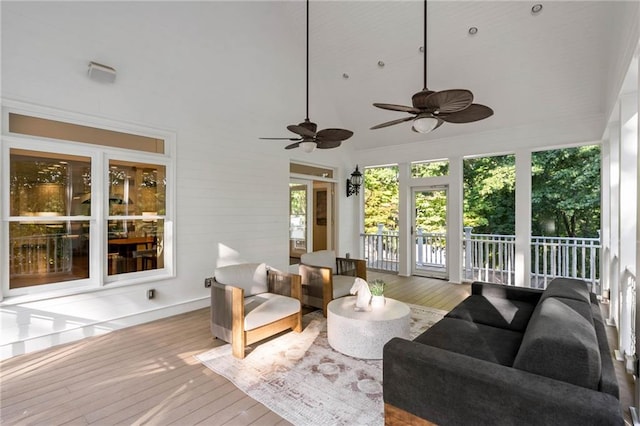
column 424, row 124
column 308, row 146
column 431, row 109
column 309, row 138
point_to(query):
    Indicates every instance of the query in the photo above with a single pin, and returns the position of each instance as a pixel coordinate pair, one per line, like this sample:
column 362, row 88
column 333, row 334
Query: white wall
column 194, row 69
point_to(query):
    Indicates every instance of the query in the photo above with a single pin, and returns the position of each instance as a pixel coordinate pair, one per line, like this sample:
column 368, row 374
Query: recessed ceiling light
column 380, row 64
column 473, row 30
column 536, row 8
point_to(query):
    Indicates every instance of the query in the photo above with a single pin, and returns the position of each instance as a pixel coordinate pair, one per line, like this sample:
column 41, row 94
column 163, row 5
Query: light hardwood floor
column 147, row 374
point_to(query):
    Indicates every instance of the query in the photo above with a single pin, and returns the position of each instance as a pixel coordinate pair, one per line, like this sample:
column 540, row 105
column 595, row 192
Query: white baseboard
column 45, row 341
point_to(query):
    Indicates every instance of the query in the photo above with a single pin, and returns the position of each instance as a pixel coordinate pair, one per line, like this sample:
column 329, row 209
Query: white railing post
column 467, row 252
column 419, row 247
column 380, row 245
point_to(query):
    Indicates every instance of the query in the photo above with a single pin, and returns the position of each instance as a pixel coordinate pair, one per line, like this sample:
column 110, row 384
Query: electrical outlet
column 151, row 293
column 208, row 282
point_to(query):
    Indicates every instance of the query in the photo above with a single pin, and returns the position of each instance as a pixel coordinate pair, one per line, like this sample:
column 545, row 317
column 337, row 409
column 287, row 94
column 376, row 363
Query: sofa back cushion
column 560, row 342
column 568, row 288
column 252, row 277
column 323, row 258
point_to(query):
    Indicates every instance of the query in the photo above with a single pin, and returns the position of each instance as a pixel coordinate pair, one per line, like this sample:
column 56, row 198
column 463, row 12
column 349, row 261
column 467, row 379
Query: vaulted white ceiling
column 563, row 65
column 239, row 62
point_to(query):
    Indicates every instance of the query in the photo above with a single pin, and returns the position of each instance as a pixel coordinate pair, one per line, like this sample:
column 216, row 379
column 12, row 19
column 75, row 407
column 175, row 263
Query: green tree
column 489, row 194
column 380, row 198
column 565, row 192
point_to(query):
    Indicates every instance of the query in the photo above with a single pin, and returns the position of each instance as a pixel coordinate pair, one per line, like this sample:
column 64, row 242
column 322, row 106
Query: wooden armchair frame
column 318, row 280
column 228, row 313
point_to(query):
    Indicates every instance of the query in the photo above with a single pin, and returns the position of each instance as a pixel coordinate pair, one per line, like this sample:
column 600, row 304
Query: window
column 83, row 214
column 49, row 240
column 429, row 168
column 489, row 218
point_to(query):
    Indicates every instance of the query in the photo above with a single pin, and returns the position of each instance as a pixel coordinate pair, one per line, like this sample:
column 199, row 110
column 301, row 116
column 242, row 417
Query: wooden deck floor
column 147, row 374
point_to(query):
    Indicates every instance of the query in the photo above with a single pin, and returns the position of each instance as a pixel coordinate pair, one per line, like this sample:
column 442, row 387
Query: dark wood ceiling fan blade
column 328, row 144
column 448, row 101
column 391, row 123
column 293, row 145
column 326, row 135
column 297, row 129
column 281, row 139
column 475, row 112
column 401, row 108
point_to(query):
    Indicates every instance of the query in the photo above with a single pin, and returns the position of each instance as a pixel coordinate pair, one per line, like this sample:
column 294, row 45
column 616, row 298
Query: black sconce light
column 353, row 184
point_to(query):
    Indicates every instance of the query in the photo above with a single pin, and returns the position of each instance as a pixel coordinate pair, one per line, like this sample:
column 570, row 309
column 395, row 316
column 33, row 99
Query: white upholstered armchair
column 250, row 302
column 326, row 277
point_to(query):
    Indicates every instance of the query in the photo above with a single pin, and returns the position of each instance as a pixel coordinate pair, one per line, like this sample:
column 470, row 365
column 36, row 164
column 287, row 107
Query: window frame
column 100, row 156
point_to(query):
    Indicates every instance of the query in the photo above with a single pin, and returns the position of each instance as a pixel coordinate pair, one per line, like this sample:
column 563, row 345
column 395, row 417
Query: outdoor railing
column 627, row 318
column 490, row 257
column 40, row 254
column 565, row 257
column 381, row 251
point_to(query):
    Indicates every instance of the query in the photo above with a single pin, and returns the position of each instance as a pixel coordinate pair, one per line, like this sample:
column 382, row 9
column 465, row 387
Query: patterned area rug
column 302, row 379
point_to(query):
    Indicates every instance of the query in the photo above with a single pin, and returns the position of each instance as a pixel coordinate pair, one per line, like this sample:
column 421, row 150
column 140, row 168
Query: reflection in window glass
column 47, row 252
column 136, row 189
column 46, row 184
column 135, row 245
column 297, row 220
column 429, row 169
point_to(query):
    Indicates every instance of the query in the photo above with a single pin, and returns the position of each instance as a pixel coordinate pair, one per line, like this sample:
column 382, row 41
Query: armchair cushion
column 323, row 258
column 342, row 285
column 266, row 308
column 251, row 277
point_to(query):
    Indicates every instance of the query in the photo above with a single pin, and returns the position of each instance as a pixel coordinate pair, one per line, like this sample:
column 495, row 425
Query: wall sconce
column 353, row 184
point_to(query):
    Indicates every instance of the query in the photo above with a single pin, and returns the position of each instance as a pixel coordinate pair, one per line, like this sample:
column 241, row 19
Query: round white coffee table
column 363, row 334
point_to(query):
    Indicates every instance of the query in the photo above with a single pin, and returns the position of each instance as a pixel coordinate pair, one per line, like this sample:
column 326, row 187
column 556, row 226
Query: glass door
column 429, row 231
column 300, row 194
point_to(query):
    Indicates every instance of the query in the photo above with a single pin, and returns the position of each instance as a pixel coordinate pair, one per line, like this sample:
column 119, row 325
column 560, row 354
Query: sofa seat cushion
column 322, row 258
column 494, row 311
column 476, row 340
column 561, row 343
column 342, row 285
column 251, row 277
column 567, row 288
column 265, row 308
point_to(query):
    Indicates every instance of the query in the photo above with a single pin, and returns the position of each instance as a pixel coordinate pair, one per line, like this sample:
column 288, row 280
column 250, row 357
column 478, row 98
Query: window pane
column 381, row 199
column 136, row 189
column 74, row 132
column 565, row 215
column 489, row 218
column 135, row 245
column 45, row 253
column 429, row 169
column 47, row 184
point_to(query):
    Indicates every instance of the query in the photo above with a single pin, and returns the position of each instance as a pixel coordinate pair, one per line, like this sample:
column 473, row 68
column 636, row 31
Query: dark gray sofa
column 507, row 356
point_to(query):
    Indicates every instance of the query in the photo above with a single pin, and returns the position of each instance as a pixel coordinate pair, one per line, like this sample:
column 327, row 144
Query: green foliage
column 565, row 198
column 565, row 192
column 380, row 198
column 431, row 168
column 431, row 211
column 489, row 194
column 376, row 287
column 298, row 200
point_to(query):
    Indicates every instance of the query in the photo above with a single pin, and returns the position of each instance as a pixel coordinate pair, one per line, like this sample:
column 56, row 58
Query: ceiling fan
column 431, row 109
column 309, row 138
